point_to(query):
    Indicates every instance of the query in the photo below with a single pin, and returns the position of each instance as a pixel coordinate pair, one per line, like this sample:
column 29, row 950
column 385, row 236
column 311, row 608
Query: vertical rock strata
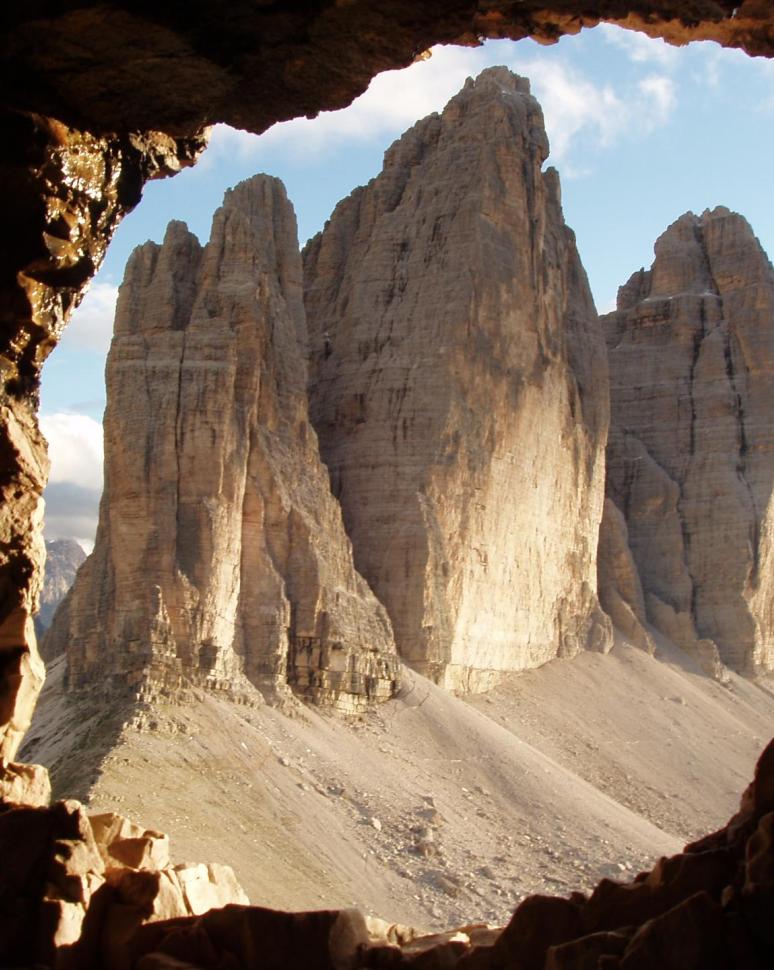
column 691, row 453
column 459, row 389
column 220, row 551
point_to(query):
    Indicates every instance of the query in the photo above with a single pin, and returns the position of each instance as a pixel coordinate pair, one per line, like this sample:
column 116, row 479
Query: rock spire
column 459, row 388
column 691, row 453
column 220, row 553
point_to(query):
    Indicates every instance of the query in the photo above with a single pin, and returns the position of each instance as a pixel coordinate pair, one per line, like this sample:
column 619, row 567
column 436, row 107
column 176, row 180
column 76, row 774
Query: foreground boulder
column 220, row 558
column 459, row 388
column 691, row 450
column 74, row 888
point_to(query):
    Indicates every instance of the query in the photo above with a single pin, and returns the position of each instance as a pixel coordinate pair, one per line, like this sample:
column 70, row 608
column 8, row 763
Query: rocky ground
column 430, row 810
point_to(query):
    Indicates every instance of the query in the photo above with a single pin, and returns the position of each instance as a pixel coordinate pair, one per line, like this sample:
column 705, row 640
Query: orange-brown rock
column 459, row 388
column 89, row 65
column 220, row 553
column 691, row 451
column 68, row 902
column 22, row 784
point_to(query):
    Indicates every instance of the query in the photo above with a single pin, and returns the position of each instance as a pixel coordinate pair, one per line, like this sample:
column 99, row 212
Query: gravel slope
column 431, row 810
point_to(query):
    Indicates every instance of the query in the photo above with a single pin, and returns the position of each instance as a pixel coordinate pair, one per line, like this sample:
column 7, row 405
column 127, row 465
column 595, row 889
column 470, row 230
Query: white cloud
column 640, row 48
column 91, row 325
column 658, row 97
column 573, row 104
column 75, row 449
column 576, row 108
column 71, row 513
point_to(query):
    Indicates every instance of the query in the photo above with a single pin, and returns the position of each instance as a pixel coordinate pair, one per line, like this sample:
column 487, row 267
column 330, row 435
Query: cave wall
column 64, row 192
column 99, row 97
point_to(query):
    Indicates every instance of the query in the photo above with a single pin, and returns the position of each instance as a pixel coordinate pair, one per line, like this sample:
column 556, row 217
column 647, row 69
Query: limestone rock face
column 220, row 551
column 459, row 388
column 63, row 559
column 691, row 452
column 620, row 589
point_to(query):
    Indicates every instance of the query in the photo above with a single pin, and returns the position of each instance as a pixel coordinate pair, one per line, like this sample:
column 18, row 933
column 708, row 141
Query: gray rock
column 691, row 450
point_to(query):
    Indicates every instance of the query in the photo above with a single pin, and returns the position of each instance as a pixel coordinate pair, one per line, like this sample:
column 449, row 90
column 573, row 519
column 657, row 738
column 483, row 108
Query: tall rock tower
column 691, row 454
column 220, row 553
column 458, row 384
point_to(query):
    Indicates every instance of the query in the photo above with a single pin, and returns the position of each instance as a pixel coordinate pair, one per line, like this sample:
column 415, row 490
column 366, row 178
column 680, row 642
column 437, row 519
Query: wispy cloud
column 583, row 117
column 658, row 97
column 91, row 325
column 573, row 104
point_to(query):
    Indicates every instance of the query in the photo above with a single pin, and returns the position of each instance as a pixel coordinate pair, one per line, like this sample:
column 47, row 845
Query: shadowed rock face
column 220, row 551
column 99, row 891
column 620, row 589
column 459, row 387
column 65, row 191
column 691, row 453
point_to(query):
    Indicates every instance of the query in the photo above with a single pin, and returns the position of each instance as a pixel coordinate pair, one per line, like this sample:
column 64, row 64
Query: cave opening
column 431, row 808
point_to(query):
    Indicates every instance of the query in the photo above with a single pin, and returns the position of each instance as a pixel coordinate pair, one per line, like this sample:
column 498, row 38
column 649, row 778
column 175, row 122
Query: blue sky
column 640, row 132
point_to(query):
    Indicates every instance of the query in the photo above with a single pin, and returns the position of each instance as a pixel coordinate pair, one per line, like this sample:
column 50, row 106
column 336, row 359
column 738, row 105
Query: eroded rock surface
column 458, row 384
column 66, row 191
column 620, row 589
column 220, row 552
column 76, row 887
column 691, row 452
column 125, row 66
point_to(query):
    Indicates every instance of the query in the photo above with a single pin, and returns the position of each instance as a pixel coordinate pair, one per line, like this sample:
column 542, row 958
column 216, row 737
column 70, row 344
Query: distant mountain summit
column 458, row 384
column 691, row 450
column 63, row 558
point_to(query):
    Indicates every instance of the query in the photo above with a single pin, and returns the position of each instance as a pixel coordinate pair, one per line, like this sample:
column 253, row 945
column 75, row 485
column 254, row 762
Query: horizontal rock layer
column 458, row 385
column 691, row 452
column 220, row 552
